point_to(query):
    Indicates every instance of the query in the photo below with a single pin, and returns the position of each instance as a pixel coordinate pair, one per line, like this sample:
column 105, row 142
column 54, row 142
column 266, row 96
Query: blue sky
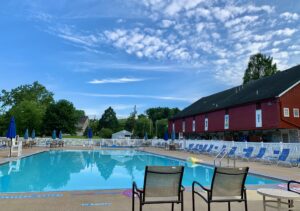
column 148, row 53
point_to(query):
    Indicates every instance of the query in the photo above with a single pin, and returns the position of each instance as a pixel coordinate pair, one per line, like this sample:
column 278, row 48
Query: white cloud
column 139, row 96
column 167, row 23
column 116, row 80
column 285, row 32
column 279, row 42
column 290, row 16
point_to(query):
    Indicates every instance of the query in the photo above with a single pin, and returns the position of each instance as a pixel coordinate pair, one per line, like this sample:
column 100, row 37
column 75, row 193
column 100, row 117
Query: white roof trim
column 288, row 89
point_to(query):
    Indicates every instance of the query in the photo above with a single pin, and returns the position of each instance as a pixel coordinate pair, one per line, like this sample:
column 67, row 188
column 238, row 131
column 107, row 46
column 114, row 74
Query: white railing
column 184, row 144
column 294, row 147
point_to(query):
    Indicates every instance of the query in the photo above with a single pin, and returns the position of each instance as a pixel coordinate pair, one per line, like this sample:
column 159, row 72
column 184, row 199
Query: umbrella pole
column 10, row 147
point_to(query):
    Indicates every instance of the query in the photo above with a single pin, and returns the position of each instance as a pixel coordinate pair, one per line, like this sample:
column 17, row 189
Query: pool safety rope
column 32, row 196
column 102, row 204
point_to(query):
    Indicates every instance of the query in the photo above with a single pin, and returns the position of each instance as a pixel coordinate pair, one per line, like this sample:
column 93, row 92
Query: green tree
column 29, row 92
column 161, row 113
column 109, row 120
column 259, row 66
column 60, row 116
column 129, row 124
column 105, row 133
column 142, row 126
column 93, row 123
column 162, row 126
column 28, row 114
column 121, row 124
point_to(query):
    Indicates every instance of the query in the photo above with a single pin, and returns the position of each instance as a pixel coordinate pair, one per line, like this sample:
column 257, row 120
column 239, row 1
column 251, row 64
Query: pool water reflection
column 90, row 170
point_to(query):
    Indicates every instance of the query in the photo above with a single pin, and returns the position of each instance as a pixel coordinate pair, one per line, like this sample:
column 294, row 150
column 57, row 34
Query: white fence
column 184, row 144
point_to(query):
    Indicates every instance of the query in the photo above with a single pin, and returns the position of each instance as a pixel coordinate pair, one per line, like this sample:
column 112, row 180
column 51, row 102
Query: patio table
column 279, row 195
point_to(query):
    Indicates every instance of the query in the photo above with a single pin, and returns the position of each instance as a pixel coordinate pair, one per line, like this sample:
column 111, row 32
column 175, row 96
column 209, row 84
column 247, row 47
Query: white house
column 123, row 134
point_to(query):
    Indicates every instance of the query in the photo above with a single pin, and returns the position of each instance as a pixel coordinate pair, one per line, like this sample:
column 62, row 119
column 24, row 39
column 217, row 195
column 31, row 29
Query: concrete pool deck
column 116, row 200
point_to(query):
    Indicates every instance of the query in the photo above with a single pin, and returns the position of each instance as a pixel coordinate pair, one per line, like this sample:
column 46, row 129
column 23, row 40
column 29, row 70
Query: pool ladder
column 221, row 156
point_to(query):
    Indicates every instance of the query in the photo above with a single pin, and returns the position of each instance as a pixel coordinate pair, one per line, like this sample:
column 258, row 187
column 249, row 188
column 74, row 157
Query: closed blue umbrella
column 146, row 136
column 26, row 135
column 173, row 136
column 54, row 134
column 60, row 135
column 11, row 132
column 166, row 136
column 90, row 133
column 33, row 134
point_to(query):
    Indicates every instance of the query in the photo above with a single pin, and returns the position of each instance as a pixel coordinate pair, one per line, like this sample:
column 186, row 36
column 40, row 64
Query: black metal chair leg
column 172, row 206
column 132, row 201
column 193, row 201
column 141, row 205
column 229, row 206
column 246, row 203
column 182, row 200
column 208, row 206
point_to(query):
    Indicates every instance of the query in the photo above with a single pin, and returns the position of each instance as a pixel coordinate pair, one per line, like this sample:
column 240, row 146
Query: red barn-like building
column 266, row 109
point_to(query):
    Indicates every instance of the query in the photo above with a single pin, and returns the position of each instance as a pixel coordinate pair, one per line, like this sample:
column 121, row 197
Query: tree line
column 34, row 108
column 154, row 123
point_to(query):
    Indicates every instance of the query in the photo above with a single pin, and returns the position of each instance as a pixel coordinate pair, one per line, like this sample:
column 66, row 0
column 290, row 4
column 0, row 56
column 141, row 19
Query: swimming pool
column 91, row 170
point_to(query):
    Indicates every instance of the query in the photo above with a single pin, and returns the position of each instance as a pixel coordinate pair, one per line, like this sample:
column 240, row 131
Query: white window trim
column 259, row 123
column 286, row 112
column 294, row 112
column 206, row 125
column 194, row 125
column 226, row 126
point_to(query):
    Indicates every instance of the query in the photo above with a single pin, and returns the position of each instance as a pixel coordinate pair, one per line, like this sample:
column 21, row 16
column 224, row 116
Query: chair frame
column 209, row 199
column 141, row 193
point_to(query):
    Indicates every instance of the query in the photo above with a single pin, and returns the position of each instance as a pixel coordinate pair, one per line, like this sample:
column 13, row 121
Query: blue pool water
column 90, row 170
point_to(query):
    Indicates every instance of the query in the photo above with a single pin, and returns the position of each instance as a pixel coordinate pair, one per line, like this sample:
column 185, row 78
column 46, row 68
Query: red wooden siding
column 290, row 100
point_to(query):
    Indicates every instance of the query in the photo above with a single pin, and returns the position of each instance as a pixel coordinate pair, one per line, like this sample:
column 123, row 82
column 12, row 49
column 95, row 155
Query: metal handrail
column 217, row 156
column 224, row 156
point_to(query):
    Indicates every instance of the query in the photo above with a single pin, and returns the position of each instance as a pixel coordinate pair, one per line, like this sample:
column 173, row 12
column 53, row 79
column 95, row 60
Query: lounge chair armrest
column 289, row 185
column 182, row 188
column 201, row 186
column 135, row 188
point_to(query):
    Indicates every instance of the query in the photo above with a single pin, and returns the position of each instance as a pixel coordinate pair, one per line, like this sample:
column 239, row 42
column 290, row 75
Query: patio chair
column 204, row 148
column 190, row 147
column 210, row 148
column 231, row 153
column 195, row 148
column 248, row 153
column 228, row 185
column 221, row 151
column 281, row 159
column 162, row 184
column 261, row 153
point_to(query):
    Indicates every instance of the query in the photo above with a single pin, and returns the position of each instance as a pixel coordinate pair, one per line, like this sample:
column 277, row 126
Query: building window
column 258, row 118
column 296, row 112
column 206, row 124
column 183, row 126
column 194, row 125
column 226, row 121
column 286, row 112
